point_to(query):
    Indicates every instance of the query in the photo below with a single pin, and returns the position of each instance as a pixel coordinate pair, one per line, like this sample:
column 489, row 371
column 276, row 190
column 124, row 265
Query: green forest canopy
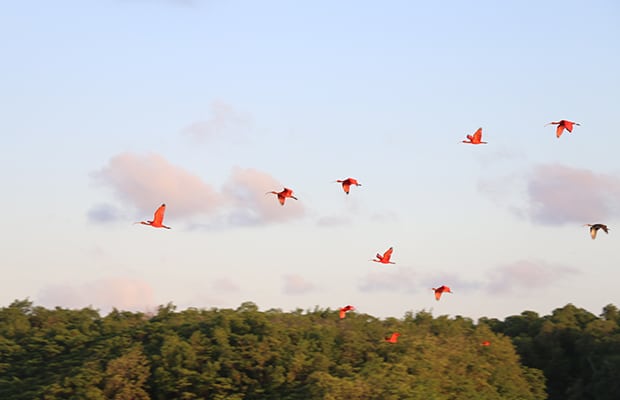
column 251, row 354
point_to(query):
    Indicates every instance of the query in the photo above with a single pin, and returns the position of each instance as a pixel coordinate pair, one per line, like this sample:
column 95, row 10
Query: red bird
column 563, row 124
column 440, row 290
column 476, row 138
column 486, row 343
column 346, row 184
column 385, row 258
column 343, row 311
column 283, row 195
column 158, row 218
column 393, row 338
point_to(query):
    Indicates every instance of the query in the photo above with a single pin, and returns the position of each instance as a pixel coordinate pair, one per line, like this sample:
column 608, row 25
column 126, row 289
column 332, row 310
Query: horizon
column 152, row 311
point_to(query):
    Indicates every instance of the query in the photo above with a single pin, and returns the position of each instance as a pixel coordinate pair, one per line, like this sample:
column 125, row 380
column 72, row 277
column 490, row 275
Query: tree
column 246, row 354
column 126, row 376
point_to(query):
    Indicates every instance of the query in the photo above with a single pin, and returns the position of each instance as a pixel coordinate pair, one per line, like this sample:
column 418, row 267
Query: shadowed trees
column 578, row 352
column 248, row 354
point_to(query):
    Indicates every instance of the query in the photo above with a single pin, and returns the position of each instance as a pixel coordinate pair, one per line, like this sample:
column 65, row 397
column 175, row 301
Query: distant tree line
column 578, row 352
column 313, row 354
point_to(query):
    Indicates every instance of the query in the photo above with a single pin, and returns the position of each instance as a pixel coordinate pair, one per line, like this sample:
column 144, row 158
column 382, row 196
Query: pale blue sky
column 111, row 107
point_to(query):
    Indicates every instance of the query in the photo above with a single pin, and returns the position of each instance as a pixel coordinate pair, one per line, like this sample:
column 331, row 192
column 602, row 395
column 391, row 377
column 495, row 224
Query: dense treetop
column 313, row 354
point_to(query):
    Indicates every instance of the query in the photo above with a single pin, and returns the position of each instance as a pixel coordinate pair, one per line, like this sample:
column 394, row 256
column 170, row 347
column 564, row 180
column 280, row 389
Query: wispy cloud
column 451, row 279
column 507, row 279
column 559, row 194
column 245, row 192
column 224, row 120
column 145, row 181
column 526, row 275
column 334, row 220
column 295, row 284
column 386, row 216
column 390, row 279
column 500, row 155
column 555, row 194
column 502, row 190
column 105, row 213
column 104, row 294
column 225, row 285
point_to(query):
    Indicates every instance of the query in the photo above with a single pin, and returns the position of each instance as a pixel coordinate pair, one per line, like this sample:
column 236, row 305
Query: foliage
column 249, row 354
column 578, row 352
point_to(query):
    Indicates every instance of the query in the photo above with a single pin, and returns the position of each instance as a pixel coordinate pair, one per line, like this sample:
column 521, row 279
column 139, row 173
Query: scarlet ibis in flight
column 486, row 343
column 595, row 227
column 385, row 258
column 344, row 310
column 283, row 195
column 158, row 218
column 346, row 184
column 393, row 338
column 563, row 124
column 440, row 290
column 476, row 138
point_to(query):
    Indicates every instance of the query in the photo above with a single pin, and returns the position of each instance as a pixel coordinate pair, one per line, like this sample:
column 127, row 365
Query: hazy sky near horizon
column 112, row 107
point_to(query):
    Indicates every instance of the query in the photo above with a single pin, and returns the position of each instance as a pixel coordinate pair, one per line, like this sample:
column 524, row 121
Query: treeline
column 578, row 352
column 249, row 354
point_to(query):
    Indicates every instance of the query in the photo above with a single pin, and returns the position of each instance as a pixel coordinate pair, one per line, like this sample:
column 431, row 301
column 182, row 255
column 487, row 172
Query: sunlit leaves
column 248, row 354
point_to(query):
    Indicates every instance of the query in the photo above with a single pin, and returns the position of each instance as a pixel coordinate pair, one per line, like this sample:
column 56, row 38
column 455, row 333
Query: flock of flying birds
column 385, row 258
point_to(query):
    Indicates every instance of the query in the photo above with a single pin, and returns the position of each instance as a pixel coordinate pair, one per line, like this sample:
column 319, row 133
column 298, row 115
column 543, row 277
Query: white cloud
column 145, row 182
column 555, row 194
column 224, row 121
column 334, row 220
column 390, row 279
column 104, row 213
column 225, row 285
column 559, row 194
column 250, row 205
column 452, row 280
column 295, row 284
column 104, row 294
column 526, row 275
column 508, row 278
